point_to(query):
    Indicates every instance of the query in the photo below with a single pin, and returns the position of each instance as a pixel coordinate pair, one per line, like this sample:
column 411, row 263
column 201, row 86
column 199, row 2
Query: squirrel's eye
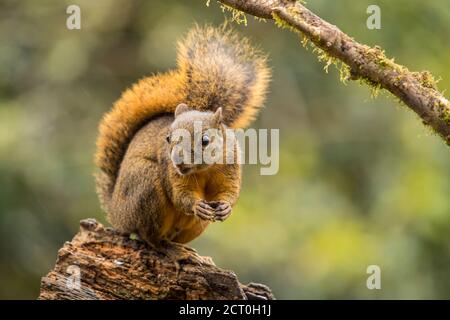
column 205, row 140
column 168, row 138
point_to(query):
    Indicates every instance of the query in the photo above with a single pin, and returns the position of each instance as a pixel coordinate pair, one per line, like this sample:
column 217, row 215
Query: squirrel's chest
column 203, row 186
column 176, row 223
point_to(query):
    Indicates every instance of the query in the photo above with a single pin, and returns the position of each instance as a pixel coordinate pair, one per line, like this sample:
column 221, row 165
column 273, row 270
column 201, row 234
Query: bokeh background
column 361, row 180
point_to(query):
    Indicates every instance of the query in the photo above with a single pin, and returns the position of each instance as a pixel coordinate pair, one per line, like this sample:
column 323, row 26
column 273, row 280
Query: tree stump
column 100, row 263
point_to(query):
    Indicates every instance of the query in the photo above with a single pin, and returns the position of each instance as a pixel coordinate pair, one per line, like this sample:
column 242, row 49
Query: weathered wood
column 100, row 263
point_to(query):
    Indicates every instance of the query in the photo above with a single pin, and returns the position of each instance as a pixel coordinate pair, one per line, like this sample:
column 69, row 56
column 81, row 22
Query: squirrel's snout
column 182, row 165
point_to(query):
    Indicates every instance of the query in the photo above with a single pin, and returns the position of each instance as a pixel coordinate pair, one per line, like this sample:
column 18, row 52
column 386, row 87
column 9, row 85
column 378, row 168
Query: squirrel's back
column 216, row 68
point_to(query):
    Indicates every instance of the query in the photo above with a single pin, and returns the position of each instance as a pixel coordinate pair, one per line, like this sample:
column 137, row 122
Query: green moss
column 375, row 89
column 344, row 72
column 426, row 79
column 236, row 15
column 324, row 57
column 378, row 55
column 280, row 23
column 305, row 42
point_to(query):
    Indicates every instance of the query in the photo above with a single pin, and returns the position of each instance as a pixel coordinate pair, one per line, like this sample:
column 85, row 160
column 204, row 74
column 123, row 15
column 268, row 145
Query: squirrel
column 220, row 80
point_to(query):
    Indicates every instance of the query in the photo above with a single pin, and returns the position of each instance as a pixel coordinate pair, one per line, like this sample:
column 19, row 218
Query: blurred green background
column 361, row 180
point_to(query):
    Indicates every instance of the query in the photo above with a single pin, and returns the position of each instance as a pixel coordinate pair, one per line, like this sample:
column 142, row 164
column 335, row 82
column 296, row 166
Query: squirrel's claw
column 203, row 211
column 222, row 211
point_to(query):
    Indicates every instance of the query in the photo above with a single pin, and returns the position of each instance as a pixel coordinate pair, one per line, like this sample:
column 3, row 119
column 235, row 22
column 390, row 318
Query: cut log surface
column 100, row 263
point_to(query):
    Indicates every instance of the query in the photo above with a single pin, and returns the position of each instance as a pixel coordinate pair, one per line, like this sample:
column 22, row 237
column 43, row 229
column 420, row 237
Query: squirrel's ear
column 181, row 108
column 218, row 115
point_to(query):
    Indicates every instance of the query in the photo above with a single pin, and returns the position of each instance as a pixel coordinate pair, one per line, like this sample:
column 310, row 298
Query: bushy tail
column 146, row 99
column 222, row 69
column 216, row 68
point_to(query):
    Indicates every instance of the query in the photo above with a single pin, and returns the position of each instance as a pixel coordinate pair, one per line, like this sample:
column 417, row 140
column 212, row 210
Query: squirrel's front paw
column 222, row 210
column 203, row 210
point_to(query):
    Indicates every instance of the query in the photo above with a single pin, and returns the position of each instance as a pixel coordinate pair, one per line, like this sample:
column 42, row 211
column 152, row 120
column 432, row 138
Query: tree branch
column 416, row 89
column 100, row 263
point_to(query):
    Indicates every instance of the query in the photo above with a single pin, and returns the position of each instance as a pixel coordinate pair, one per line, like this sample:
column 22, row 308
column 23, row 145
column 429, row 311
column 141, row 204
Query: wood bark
column 100, row 263
column 417, row 90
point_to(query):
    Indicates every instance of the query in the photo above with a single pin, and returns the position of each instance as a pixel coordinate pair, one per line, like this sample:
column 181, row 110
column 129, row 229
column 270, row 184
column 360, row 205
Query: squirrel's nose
column 176, row 157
